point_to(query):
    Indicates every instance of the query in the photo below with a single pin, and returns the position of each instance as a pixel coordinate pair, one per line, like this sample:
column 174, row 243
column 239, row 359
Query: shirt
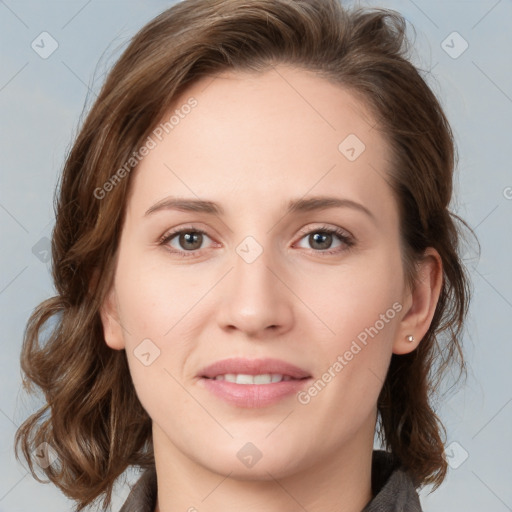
column 392, row 489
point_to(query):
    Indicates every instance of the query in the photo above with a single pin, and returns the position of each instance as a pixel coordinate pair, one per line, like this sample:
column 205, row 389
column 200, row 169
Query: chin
column 260, row 459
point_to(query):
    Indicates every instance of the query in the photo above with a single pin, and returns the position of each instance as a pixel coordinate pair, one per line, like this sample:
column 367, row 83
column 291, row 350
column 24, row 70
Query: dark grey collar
column 392, row 488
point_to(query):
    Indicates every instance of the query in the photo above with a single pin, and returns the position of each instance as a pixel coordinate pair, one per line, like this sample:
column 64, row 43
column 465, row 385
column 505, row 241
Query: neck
column 340, row 482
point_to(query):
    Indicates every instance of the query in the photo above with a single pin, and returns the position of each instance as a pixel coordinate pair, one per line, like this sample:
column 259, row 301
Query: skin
column 252, row 143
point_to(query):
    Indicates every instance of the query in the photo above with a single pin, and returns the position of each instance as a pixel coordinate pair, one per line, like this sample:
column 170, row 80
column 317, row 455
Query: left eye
column 322, row 239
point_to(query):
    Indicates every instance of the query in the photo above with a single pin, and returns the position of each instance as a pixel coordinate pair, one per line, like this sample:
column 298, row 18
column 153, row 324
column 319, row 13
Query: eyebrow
column 294, row 206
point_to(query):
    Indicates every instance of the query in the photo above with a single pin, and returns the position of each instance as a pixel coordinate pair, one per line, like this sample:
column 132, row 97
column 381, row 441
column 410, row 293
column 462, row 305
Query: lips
column 240, row 366
column 253, row 383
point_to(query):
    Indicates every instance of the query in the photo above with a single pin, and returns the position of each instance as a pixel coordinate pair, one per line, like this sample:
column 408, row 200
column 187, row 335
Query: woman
column 256, row 269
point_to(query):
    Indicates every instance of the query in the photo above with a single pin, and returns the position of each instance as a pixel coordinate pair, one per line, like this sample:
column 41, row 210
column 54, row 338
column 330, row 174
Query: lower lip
column 253, row 395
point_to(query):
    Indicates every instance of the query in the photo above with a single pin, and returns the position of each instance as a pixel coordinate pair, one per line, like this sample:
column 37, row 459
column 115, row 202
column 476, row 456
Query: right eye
column 184, row 240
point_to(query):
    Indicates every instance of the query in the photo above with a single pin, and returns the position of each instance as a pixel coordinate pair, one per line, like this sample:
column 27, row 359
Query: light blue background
column 41, row 101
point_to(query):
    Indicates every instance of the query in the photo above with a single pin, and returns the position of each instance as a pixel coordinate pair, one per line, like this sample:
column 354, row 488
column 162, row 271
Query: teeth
column 265, row 378
column 242, row 378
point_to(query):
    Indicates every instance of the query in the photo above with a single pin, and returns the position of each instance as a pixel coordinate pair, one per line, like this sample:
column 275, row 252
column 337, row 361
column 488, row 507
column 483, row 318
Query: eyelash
column 346, row 239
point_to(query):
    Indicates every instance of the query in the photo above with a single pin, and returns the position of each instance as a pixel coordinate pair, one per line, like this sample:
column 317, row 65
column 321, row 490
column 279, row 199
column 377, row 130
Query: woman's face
column 289, row 250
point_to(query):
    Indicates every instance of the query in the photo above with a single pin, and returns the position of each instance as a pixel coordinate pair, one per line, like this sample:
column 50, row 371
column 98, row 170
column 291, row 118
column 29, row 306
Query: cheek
column 354, row 299
column 361, row 308
column 158, row 306
column 154, row 298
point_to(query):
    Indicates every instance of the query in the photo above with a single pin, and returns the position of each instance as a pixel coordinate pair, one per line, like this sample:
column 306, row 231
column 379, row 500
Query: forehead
column 264, row 137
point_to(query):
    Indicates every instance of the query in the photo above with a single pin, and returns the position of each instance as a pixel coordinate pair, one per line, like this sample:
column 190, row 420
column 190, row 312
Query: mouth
column 262, row 378
column 252, row 383
column 253, row 371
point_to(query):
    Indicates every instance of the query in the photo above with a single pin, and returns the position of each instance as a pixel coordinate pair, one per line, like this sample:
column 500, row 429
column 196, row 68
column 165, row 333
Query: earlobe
column 112, row 330
column 423, row 301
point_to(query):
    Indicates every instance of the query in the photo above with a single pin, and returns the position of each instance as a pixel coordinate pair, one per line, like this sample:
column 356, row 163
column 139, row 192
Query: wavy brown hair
column 92, row 417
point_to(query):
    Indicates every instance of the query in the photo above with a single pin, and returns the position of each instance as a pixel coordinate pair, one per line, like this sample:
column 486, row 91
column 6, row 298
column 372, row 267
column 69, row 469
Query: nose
column 256, row 299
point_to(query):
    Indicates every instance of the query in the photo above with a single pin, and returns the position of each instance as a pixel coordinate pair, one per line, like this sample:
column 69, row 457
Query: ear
column 112, row 330
column 420, row 303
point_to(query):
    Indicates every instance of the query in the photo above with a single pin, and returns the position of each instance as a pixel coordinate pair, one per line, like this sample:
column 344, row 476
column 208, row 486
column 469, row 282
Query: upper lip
column 253, row 367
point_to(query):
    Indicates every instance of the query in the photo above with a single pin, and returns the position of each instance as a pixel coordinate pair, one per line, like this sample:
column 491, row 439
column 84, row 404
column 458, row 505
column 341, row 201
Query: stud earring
column 410, row 338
